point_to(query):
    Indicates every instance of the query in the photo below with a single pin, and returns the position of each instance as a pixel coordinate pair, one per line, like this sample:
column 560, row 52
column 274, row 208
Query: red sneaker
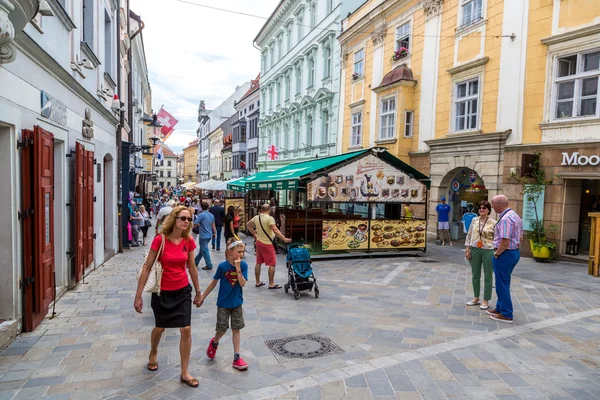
column 240, row 364
column 211, row 351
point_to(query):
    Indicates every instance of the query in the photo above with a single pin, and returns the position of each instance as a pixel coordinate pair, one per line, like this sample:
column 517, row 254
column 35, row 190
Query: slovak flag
column 160, row 156
column 167, row 121
column 272, row 153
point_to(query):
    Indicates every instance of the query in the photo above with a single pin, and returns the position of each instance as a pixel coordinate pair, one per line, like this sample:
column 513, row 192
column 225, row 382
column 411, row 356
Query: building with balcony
column 300, row 80
column 245, row 132
column 470, row 92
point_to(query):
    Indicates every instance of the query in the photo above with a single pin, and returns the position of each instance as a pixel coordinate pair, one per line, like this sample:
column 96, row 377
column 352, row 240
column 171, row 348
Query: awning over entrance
column 296, row 175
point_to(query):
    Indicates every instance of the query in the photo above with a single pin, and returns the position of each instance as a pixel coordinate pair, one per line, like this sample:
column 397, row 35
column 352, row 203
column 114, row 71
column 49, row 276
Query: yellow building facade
column 190, row 162
column 462, row 89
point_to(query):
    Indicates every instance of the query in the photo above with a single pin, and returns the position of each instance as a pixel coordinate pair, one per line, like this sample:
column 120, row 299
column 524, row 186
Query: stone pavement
column 401, row 322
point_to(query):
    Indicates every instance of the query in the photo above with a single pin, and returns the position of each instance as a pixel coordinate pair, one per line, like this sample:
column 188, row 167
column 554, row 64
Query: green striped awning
column 288, row 177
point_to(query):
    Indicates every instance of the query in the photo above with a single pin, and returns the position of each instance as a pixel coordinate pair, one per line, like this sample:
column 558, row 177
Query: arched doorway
column 463, row 188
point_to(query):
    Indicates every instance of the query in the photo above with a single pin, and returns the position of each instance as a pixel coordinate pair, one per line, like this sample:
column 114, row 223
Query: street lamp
column 154, row 139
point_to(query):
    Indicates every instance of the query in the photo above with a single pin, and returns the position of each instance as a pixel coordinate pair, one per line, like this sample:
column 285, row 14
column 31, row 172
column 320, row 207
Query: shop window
column 466, row 105
column 471, row 12
column 359, row 66
column 387, row 119
column 356, row 139
column 403, row 37
column 576, row 86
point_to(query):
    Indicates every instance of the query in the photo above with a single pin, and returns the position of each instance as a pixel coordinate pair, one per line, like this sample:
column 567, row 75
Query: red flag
column 167, row 121
column 243, row 164
column 272, row 153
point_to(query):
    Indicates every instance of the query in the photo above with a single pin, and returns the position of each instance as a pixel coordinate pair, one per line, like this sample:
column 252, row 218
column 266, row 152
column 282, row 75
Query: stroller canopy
column 300, row 260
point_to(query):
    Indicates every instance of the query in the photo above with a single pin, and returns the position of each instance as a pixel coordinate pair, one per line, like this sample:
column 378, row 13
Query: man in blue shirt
column 206, row 222
column 219, row 213
column 443, row 211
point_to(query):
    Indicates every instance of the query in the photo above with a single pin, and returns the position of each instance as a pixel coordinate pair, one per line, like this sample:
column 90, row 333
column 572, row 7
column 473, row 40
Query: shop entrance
column 465, row 190
column 590, row 202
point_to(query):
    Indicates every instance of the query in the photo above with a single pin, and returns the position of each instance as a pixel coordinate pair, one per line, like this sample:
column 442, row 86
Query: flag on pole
column 160, row 156
column 242, row 164
column 272, row 153
column 168, row 123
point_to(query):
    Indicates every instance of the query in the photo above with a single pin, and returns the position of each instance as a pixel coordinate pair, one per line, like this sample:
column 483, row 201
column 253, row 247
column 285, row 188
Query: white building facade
column 209, row 121
column 216, row 158
column 245, row 132
column 58, row 150
column 300, row 80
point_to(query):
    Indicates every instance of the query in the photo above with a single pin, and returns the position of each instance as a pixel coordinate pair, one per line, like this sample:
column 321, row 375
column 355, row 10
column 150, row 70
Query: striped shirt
column 509, row 226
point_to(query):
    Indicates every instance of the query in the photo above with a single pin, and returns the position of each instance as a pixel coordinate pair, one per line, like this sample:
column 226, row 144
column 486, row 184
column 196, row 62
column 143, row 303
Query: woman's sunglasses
column 483, row 208
column 184, row 219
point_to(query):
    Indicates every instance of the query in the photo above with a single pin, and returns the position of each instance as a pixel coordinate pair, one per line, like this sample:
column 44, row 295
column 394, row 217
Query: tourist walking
column 146, row 223
column 219, row 213
column 207, row 231
column 136, row 222
column 231, row 275
column 263, row 229
column 443, row 212
column 480, row 252
column 508, row 233
column 173, row 307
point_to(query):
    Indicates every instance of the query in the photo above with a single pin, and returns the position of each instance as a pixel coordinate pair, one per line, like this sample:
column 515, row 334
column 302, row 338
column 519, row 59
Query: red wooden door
column 89, row 208
column 38, row 224
column 79, row 202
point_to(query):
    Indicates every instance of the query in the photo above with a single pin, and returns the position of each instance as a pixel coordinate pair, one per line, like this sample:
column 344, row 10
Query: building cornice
column 30, row 48
column 576, row 34
column 467, row 66
column 278, row 17
column 474, row 139
column 555, row 145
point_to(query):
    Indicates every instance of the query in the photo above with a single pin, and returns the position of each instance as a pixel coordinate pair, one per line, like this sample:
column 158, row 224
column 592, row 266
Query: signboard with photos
column 367, row 179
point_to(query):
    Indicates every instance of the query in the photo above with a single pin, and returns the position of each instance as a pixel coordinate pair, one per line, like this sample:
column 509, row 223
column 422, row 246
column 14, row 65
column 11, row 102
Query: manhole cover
column 302, row 347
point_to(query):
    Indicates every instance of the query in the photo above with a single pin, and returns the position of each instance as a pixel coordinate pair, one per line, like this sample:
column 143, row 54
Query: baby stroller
column 300, row 272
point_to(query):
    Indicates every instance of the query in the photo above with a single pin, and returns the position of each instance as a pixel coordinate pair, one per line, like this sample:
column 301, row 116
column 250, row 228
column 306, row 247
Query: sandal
column 473, row 303
column 191, row 383
column 260, row 284
column 275, row 287
column 153, row 366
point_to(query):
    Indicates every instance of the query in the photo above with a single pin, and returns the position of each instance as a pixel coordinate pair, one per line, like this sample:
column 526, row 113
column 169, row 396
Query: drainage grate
column 302, row 347
column 427, row 261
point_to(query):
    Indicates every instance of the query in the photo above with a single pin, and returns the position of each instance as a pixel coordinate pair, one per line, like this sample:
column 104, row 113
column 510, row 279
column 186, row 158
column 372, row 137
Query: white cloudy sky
column 195, row 53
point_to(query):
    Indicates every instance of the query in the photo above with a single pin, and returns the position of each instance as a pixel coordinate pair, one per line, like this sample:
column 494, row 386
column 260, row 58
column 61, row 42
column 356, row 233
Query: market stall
column 363, row 201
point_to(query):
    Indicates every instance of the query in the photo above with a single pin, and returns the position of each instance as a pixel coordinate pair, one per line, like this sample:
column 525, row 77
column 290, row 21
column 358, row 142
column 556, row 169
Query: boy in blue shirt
column 231, row 276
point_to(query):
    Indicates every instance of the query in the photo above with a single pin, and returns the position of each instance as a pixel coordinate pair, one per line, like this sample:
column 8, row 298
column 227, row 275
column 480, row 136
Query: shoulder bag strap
column 263, row 229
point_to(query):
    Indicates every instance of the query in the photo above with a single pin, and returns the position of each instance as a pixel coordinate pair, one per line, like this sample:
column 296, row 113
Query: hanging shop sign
column 53, row 109
column 368, row 179
column 455, row 185
column 576, row 159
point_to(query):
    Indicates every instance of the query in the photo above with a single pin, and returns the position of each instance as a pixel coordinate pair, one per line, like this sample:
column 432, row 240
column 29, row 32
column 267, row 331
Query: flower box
column 400, row 53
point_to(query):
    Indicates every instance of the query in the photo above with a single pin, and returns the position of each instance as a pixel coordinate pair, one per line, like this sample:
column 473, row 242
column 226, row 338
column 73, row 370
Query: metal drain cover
column 427, row 261
column 302, row 347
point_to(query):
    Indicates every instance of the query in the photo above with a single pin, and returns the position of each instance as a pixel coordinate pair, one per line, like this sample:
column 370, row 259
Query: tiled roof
column 167, row 152
column 254, row 86
column 400, row 73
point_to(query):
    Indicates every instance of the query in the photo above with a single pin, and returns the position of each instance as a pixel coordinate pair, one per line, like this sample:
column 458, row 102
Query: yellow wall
column 540, row 26
column 467, row 51
column 190, row 161
column 355, row 91
column 578, row 12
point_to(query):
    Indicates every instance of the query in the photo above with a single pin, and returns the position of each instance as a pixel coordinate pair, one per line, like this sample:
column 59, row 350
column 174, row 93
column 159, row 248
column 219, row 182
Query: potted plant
column 533, row 186
column 400, row 53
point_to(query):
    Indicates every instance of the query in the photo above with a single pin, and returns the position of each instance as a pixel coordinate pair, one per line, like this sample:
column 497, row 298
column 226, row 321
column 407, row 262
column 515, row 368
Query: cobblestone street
column 401, row 322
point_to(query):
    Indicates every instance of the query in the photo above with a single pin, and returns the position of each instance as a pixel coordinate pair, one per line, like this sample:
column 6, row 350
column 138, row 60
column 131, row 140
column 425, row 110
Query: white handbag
column 154, row 277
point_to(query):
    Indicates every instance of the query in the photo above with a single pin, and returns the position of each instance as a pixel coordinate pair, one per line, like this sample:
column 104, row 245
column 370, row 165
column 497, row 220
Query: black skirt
column 173, row 308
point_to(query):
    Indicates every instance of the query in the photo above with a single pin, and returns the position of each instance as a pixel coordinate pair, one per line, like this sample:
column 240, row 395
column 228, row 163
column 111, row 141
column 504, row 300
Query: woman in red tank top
column 173, row 307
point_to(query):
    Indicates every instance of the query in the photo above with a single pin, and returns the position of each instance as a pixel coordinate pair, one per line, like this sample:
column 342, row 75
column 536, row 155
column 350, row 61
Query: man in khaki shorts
column 264, row 230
